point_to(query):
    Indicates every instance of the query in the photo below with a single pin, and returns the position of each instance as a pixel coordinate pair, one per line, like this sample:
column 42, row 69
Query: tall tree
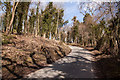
column 7, row 16
column 13, row 14
column 26, row 8
column 75, row 29
column 52, row 20
column 38, row 19
column 32, row 20
column 22, row 16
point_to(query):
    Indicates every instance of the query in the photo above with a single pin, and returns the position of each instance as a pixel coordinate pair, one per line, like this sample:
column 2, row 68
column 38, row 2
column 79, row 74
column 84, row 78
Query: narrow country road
column 77, row 64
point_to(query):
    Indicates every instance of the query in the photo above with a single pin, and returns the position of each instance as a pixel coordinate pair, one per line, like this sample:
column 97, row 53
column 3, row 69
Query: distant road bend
column 77, row 64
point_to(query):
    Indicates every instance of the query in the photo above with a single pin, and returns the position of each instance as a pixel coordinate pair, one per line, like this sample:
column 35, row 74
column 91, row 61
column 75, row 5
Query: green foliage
column 68, row 37
column 75, row 28
column 22, row 11
column 41, row 22
column 52, row 18
column 32, row 20
column 99, row 29
column 47, row 18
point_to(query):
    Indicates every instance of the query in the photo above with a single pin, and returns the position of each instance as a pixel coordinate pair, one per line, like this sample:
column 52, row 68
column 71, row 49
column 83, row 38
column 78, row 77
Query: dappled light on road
column 76, row 65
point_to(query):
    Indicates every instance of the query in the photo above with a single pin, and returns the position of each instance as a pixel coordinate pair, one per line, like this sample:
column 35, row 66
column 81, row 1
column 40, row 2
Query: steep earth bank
column 22, row 54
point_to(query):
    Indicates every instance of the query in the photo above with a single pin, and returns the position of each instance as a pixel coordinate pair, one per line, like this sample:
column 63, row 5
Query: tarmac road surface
column 77, row 64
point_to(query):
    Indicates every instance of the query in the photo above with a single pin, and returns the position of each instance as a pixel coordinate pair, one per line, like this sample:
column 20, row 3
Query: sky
column 71, row 10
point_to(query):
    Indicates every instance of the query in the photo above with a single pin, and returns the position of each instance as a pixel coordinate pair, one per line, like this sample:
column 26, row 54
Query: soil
column 22, row 54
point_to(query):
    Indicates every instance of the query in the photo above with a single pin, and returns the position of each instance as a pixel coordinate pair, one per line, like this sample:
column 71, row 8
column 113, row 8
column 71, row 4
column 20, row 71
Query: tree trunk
column 25, row 26
column 19, row 29
column 99, row 42
column 38, row 26
column 44, row 35
column 13, row 14
column 56, row 31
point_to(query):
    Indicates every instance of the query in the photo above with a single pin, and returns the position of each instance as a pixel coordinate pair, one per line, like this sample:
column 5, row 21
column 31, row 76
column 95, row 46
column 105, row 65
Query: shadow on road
column 80, row 66
column 70, row 66
column 107, row 68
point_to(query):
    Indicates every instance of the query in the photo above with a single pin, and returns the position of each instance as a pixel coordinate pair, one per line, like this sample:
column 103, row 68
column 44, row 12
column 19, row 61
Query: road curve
column 77, row 64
